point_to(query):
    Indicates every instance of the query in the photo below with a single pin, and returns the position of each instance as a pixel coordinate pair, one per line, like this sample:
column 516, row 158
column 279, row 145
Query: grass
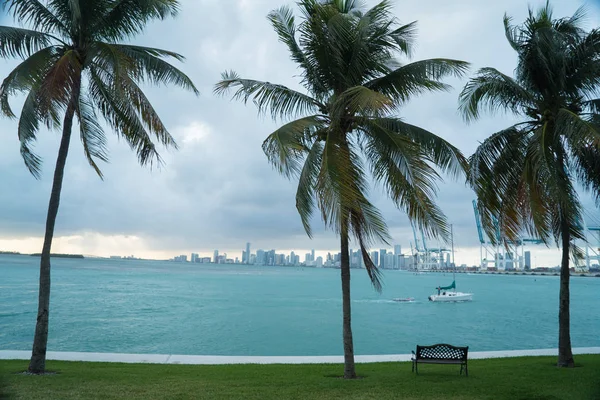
column 527, row 378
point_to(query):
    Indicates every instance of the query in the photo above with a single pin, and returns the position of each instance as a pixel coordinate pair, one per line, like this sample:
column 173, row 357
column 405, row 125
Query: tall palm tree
column 353, row 85
column 525, row 175
column 75, row 66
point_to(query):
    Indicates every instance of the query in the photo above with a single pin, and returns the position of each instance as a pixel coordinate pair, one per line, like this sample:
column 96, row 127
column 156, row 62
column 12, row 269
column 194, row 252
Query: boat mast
column 453, row 265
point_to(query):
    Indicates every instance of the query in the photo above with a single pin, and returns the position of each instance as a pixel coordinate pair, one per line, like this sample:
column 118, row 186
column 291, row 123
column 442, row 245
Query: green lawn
column 528, row 378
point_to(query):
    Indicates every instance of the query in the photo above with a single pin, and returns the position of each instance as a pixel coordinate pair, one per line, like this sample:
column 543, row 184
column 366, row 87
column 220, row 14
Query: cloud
column 218, row 190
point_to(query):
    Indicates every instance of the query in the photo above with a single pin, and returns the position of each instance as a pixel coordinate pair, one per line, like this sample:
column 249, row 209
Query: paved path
column 214, row 360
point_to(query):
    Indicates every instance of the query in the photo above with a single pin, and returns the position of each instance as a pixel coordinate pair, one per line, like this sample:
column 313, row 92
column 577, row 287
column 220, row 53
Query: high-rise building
column 397, row 253
column 312, row 255
column 216, row 257
column 194, row 258
column 261, row 257
column 319, row 262
column 527, row 260
column 382, row 258
column 389, row 261
column 247, row 261
column 375, row 257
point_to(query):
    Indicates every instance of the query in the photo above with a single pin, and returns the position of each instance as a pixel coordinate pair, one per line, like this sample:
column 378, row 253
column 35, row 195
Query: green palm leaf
column 22, row 43
column 279, row 100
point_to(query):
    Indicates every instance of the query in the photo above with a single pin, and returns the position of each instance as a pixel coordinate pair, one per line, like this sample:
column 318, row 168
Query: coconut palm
column 75, row 66
column 525, row 176
column 346, row 126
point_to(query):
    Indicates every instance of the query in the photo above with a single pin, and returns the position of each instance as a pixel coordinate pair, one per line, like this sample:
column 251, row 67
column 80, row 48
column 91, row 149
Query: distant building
column 216, row 257
column 194, row 258
column 389, row 261
column 247, row 260
column 397, row 253
column 270, row 257
column 260, row 257
column 527, row 260
column 375, row 257
column 382, row 254
column 319, row 262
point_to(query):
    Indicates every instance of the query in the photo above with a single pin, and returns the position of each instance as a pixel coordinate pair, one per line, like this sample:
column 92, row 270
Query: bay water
column 135, row 306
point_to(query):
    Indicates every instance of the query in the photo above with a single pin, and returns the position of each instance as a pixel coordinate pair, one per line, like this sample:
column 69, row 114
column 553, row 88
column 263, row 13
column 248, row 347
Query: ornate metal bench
column 440, row 354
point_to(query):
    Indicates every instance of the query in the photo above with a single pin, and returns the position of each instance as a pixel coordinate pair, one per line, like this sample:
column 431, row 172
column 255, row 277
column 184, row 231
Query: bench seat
column 441, row 353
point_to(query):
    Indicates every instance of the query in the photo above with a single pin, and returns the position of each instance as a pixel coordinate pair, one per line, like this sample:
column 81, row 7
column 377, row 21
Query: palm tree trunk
column 349, row 370
column 565, row 354
column 37, row 365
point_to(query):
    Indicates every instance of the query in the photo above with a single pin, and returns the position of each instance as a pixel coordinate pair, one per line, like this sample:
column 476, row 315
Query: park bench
column 440, row 354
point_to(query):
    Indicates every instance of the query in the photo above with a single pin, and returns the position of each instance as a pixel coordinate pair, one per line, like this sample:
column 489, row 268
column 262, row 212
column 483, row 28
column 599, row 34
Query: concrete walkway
column 216, row 360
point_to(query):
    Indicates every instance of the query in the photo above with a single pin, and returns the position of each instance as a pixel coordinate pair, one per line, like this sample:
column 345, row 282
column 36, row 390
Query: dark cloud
column 218, row 190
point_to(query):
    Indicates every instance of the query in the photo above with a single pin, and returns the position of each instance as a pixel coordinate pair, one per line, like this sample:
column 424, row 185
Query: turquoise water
column 172, row 308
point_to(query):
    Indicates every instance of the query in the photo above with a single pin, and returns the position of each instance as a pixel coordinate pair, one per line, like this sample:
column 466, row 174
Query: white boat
column 451, row 297
column 444, row 295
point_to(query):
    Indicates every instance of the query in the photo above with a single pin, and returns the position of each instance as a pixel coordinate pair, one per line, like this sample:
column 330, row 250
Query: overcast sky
column 218, row 191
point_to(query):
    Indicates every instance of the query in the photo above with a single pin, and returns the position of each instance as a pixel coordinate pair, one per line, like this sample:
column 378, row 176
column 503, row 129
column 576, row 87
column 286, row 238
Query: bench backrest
column 441, row 351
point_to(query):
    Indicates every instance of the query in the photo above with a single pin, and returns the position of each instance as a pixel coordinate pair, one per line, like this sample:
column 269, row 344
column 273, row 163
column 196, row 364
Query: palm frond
column 577, row 131
column 91, row 133
column 400, row 164
column 282, row 21
column 129, row 17
column 141, row 64
column 360, row 100
column 22, row 43
column 27, row 129
column 279, row 100
column 493, row 90
column 60, row 82
column 416, row 78
column 286, row 147
column 305, row 194
column 26, row 76
column 367, row 225
column 36, row 15
column 441, row 153
column 123, row 118
column 586, row 161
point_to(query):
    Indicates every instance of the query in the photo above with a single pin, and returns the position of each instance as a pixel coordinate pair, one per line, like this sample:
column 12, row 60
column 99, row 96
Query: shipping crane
column 427, row 258
column 500, row 256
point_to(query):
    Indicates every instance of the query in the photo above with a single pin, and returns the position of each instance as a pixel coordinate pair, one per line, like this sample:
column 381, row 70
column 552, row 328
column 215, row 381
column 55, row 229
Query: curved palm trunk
column 37, row 364
column 349, row 370
column 565, row 354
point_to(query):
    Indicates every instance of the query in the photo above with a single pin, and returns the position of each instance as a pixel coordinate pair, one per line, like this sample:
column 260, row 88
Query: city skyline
column 218, row 189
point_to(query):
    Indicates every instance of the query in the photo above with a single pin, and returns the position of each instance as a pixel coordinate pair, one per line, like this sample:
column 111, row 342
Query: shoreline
column 513, row 273
column 228, row 360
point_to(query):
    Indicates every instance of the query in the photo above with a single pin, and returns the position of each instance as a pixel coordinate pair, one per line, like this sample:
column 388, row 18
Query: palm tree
column 353, row 86
column 525, row 175
column 74, row 66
